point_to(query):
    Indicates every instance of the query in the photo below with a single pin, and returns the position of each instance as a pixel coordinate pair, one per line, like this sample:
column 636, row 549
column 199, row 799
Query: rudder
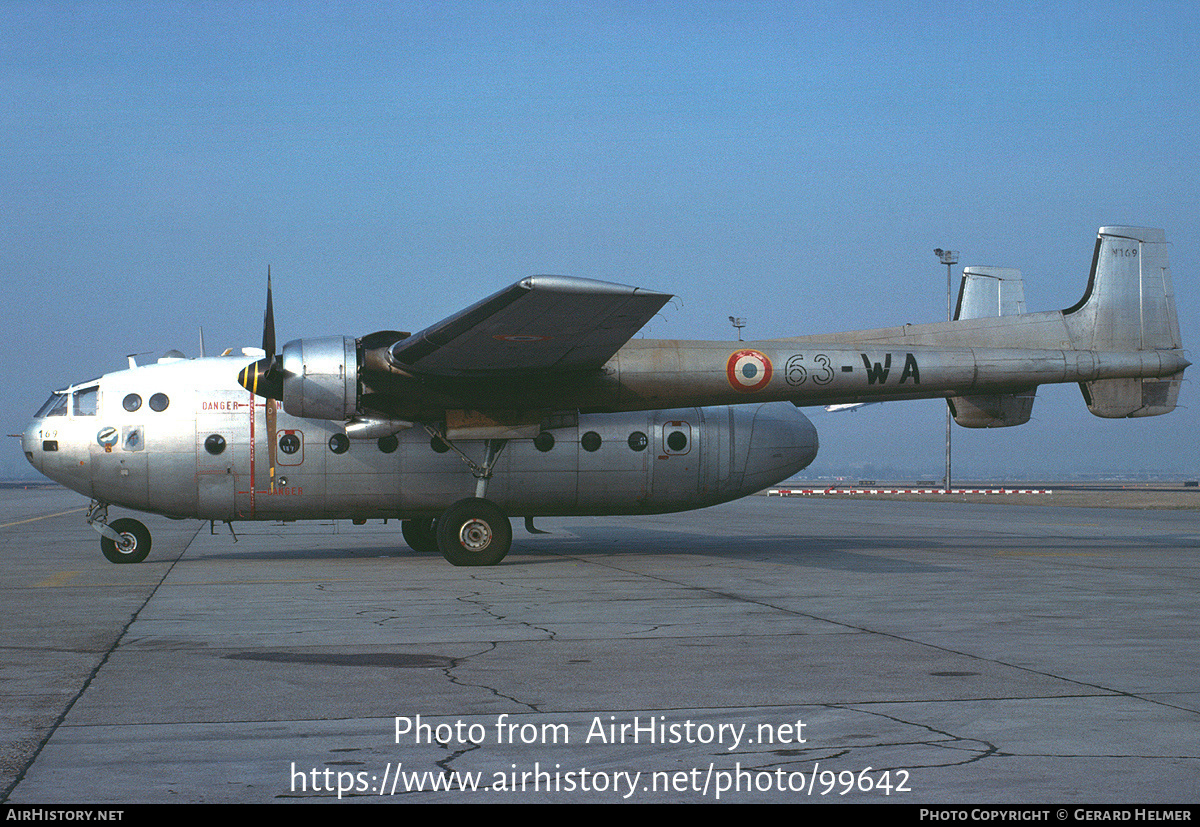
column 991, row 292
column 1129, row 305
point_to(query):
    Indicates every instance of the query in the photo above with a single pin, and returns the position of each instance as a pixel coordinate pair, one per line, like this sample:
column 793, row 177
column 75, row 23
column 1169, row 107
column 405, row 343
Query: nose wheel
column 133, row 544
column 474, row 532
column 122, row 541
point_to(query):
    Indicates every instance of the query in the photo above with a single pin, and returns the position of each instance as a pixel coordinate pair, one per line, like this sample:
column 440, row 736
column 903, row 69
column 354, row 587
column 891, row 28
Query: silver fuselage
column 197, row 445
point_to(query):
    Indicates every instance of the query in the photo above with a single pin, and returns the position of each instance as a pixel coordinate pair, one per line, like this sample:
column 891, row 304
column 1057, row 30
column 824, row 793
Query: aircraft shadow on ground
column 833, row 553
column 840, row 553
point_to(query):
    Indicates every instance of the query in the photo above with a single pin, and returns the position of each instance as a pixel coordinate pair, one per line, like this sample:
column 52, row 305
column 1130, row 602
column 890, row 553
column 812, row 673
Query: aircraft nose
column 31, row 444
column 783, row 441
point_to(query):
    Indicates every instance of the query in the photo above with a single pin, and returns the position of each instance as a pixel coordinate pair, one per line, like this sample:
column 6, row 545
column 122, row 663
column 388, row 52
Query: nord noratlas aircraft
column 537, row 401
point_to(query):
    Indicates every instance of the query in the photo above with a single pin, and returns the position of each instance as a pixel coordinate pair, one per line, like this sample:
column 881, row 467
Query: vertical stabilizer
column 1129, row 303
column 988, row 292
column 1129, row 306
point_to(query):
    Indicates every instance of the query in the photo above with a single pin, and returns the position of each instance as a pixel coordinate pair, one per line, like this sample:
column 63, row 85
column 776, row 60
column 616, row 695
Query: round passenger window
column 438, row 445
column 215, row 444
column 590, row 441
column 544, row 441
column 289, row 443
column 677, row 440
column 388, row 444
column 339, row 443
column 638, row 441
column 132, row 402
column 159, row 402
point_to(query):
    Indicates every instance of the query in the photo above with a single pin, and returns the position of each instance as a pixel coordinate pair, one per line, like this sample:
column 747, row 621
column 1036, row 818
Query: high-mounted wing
column 547, row 324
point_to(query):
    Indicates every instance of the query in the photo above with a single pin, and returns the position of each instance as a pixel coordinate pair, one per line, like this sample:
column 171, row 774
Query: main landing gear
column 420, row 534
column 123, row 541
column 472, row 532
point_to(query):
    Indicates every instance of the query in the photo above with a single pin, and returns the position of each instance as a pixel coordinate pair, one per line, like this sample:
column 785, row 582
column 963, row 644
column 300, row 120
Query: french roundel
column 748, row 370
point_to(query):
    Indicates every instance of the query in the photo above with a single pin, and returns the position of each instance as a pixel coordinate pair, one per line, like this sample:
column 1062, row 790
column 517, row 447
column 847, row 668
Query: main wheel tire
column 420, row 534
column 474, row 532
column 135, row 542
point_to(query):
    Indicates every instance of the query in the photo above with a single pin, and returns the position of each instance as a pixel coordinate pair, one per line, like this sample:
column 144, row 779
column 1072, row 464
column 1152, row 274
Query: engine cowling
column 320, row 378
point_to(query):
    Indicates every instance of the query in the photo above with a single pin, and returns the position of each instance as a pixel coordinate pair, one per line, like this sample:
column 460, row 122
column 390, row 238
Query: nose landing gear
column 123, row 541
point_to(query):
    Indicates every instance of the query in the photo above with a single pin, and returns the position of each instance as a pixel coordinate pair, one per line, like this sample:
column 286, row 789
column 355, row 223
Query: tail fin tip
column 1129, row 303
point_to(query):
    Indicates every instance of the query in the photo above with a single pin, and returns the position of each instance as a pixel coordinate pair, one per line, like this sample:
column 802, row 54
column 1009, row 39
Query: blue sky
column 792, row 163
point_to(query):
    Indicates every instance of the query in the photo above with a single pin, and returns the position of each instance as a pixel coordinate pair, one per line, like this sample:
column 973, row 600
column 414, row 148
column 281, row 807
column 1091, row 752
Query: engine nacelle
column 320, row 378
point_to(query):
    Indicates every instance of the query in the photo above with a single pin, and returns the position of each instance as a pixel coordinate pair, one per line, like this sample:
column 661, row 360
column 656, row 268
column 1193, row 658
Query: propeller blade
column 269, row 323
column 263, row 378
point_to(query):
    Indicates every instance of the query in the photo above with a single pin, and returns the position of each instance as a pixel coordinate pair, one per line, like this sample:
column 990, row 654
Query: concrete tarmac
column 768, row 650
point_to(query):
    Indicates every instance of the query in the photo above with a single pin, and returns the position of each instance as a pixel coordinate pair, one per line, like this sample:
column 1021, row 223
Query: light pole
column 949, row 258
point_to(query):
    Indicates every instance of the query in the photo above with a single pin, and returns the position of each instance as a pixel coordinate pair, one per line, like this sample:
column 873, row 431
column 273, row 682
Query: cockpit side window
column 56, row 405
column 85, row 401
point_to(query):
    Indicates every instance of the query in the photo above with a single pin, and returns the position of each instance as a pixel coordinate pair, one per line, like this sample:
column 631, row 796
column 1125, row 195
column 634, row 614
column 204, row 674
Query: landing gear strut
column 474, row 531
column 123, row 541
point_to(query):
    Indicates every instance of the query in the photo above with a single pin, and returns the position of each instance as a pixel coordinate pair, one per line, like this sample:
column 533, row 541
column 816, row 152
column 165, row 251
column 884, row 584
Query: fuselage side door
column 222, row 450
column 676, row 459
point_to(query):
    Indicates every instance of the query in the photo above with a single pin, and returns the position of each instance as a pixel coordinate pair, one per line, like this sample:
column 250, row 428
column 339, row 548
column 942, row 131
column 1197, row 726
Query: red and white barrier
column 808, row 492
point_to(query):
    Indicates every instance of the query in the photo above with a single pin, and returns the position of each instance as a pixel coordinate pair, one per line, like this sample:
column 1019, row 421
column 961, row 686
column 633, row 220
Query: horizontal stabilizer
column 1120, row 398
column 993, row 410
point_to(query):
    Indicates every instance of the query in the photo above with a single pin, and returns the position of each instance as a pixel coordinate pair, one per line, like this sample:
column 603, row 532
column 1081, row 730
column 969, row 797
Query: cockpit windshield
column 56, row 405
column 86, row 403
